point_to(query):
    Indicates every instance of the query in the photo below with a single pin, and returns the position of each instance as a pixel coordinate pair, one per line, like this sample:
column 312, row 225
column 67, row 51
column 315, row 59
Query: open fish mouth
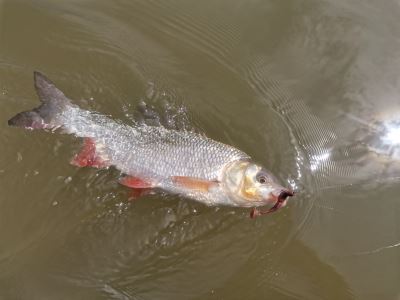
column 280, row 202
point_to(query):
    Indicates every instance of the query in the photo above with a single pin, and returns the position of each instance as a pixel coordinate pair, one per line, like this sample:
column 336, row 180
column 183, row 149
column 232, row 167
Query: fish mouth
column 281, row 200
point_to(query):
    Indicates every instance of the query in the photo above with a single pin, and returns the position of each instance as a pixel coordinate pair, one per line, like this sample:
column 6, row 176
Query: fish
column 179, row 162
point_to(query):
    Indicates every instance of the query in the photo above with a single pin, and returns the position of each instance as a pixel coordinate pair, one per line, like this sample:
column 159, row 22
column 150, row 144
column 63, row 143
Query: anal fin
column 89, row 156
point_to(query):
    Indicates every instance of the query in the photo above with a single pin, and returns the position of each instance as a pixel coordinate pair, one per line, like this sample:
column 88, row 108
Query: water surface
column 309, row 88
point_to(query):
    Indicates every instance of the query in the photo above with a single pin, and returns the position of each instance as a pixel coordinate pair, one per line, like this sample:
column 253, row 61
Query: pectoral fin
column 194, row 183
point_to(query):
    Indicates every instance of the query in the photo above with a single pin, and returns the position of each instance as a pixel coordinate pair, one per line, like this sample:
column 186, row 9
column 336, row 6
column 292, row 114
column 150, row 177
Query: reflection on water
column 305, row 87
column 392, row 133
column 317, row 160
column 390, row 140
column 381, row 136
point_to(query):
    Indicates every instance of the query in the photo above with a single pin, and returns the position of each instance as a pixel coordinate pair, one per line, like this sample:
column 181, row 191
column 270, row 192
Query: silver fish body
column 181, row 162
column 155, row 153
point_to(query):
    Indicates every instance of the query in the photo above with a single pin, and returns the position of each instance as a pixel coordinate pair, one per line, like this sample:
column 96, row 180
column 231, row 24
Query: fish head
column 252, row 185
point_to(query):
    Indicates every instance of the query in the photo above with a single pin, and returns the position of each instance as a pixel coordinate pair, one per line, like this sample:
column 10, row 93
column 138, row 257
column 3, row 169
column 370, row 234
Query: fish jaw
column 249, row 185
column 280, row 202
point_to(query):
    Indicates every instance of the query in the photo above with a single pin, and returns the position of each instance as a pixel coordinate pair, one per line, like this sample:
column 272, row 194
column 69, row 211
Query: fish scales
column 142, row 150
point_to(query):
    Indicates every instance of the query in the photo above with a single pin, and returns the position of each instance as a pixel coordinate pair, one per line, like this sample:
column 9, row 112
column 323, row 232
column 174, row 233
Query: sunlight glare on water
column 392, row 134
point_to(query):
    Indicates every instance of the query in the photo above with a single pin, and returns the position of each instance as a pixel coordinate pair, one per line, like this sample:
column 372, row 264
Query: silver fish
column 154, row 157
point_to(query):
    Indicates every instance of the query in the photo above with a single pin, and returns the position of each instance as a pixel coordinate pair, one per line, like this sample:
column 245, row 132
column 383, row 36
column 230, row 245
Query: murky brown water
column 310, row 89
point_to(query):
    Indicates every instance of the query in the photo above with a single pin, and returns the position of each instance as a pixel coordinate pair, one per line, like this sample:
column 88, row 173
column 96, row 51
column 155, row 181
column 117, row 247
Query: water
column 308, row 88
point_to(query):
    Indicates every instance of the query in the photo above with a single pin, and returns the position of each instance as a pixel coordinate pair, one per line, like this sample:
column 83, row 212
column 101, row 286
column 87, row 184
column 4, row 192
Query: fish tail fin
column 44, row 116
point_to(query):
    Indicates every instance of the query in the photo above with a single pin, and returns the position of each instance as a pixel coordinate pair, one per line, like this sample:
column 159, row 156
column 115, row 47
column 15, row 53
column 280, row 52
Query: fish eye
column 262, row 178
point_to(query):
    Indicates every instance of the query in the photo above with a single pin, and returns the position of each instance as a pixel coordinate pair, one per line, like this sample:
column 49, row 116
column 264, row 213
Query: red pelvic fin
column 136, row 182
column 194, row 183
column 137, row 193
column 88, row 156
